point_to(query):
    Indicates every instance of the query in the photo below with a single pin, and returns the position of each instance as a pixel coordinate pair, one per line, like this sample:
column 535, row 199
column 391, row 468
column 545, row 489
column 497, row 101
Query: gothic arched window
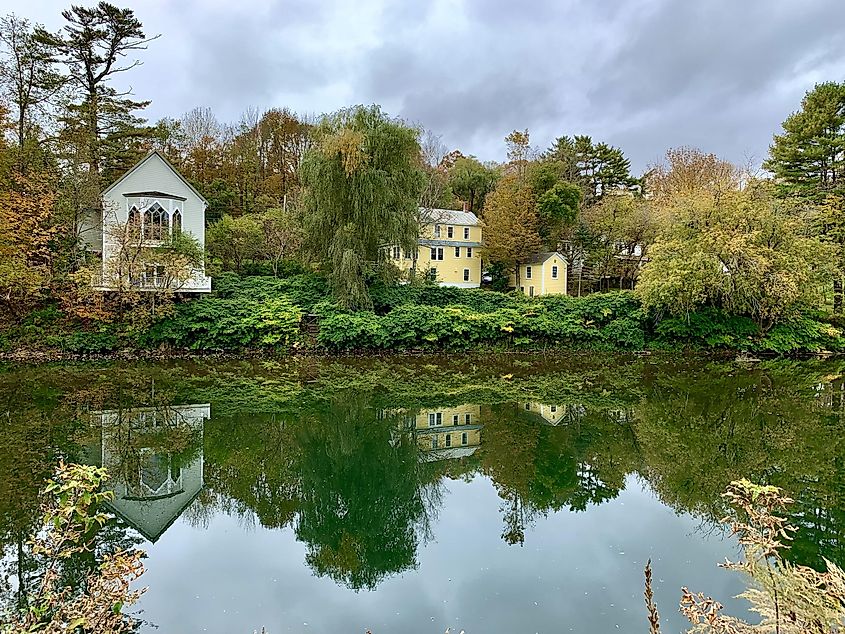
column 176, row 223
column 155, row 222
column 133, row 223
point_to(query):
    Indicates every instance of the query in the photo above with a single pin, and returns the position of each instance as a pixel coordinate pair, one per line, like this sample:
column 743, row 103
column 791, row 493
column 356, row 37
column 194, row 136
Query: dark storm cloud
column 643, row 74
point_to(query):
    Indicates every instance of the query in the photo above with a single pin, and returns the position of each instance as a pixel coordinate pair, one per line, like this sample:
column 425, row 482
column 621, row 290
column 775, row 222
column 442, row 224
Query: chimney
column 466, row 206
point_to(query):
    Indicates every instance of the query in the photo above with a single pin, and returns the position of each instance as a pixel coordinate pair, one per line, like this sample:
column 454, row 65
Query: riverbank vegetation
column 302, row 209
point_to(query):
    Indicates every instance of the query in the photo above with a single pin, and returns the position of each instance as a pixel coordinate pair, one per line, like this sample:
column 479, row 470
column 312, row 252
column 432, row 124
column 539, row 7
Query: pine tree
column 100, row 122
column 808, row 158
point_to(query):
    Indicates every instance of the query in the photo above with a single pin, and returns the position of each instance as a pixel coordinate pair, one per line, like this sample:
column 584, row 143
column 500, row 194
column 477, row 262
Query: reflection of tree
column 251, row 466
column 777, row 424
column 36, row 428
column 537, row 468
column 363, row 507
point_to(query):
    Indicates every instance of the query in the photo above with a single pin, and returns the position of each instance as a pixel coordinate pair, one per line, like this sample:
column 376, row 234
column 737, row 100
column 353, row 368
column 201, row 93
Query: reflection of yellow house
column 152, row 485
column 452, row 432
column 555, row 414
column 448, row 248
column 542, row 274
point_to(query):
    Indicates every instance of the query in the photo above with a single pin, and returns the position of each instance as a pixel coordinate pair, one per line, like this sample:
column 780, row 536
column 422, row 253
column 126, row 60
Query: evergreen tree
column 99, row 125
column 808, row 161
column 808, row 158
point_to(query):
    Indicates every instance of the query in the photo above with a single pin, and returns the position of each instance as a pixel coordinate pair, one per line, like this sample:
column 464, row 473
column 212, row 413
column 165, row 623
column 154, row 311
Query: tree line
column 330, row 193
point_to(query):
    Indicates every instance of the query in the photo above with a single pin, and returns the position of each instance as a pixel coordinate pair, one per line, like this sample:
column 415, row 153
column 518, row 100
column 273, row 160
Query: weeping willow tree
column 362, row 180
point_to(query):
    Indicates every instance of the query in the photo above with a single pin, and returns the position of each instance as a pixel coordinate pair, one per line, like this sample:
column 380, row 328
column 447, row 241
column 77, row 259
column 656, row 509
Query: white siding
column 153, row 174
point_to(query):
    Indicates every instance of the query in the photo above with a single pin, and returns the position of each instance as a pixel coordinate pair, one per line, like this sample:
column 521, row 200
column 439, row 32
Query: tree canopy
column 362, row 181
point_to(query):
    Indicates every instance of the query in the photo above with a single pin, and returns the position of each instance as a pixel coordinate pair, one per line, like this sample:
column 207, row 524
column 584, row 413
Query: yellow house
column 448, row 248
column 542, row 274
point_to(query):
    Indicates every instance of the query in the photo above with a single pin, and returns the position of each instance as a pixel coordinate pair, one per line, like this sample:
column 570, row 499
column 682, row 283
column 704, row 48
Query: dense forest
column 703, row 252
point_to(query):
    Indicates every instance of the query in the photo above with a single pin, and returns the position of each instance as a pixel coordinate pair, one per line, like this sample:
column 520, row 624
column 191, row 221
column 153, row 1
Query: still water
column 485, row 494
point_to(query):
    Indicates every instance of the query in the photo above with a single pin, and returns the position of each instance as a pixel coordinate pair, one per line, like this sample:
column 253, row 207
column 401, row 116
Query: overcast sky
column 645, row 75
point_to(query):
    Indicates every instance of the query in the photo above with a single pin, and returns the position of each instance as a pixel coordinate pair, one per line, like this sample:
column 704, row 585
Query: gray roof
column 153, row 195
column 166, row 162
column 539, row 258
column 449, row 217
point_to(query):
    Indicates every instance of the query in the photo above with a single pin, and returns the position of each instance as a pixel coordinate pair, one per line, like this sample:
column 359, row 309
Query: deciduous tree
column 362, row 183
column 511, row 231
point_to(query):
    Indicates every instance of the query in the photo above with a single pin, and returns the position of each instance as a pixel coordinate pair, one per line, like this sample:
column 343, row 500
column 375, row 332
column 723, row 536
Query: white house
column 155, row 201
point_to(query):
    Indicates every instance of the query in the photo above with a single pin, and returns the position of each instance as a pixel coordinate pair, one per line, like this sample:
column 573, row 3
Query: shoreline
column 38, row 357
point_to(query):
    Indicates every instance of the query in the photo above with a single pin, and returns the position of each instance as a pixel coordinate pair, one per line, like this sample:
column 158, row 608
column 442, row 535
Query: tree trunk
column 837, row 295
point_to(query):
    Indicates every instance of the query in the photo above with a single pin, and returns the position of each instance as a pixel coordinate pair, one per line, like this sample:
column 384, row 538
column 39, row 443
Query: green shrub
column 214, row 323
column 305, row 290
column 802, row 333
column 85, row 342
column 708, row 327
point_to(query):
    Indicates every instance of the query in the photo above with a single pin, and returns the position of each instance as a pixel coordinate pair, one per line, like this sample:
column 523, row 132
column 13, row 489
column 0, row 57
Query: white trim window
column 176, row 223
column 455, row 419
column 527, row 272
column 133, row 222
column 156, row 220
column 437, row 253
column 436, row 231
column 468, row 418
column 435, row 419
column 448, row 440
column 450, row 232
column 469, row 252
column 397, row 253
column 554, row 271
column 466, row 275
column 466, row 233
column 464, row 438
column 457, row 252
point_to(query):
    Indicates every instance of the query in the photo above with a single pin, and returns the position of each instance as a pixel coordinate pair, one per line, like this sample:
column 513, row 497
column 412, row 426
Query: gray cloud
column 643, row 74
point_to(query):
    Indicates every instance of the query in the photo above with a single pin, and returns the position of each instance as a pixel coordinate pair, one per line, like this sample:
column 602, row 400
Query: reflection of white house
column 152, row 487
column 556, row 414
column 155, row 201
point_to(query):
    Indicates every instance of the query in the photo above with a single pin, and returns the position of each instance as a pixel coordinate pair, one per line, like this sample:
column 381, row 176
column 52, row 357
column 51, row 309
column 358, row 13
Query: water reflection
column 154, row 458
column 357, row 460
column 445, row 434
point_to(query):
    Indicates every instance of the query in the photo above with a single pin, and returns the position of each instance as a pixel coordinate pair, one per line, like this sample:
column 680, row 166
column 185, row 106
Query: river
column 494, row 494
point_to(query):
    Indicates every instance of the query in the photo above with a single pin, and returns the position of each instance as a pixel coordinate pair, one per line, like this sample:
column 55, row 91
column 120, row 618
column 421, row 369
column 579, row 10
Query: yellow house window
column 466, row 233
column 457, row 252
column 527, row 272
column 450, row 232
column 448, row 440
column 436, row 231
column 454, row 419
column 434, row 443
column 554, row 272
column 436, row 253
column 468, row 418
column 469, row 252
column 464, row 438
column 466, row 275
